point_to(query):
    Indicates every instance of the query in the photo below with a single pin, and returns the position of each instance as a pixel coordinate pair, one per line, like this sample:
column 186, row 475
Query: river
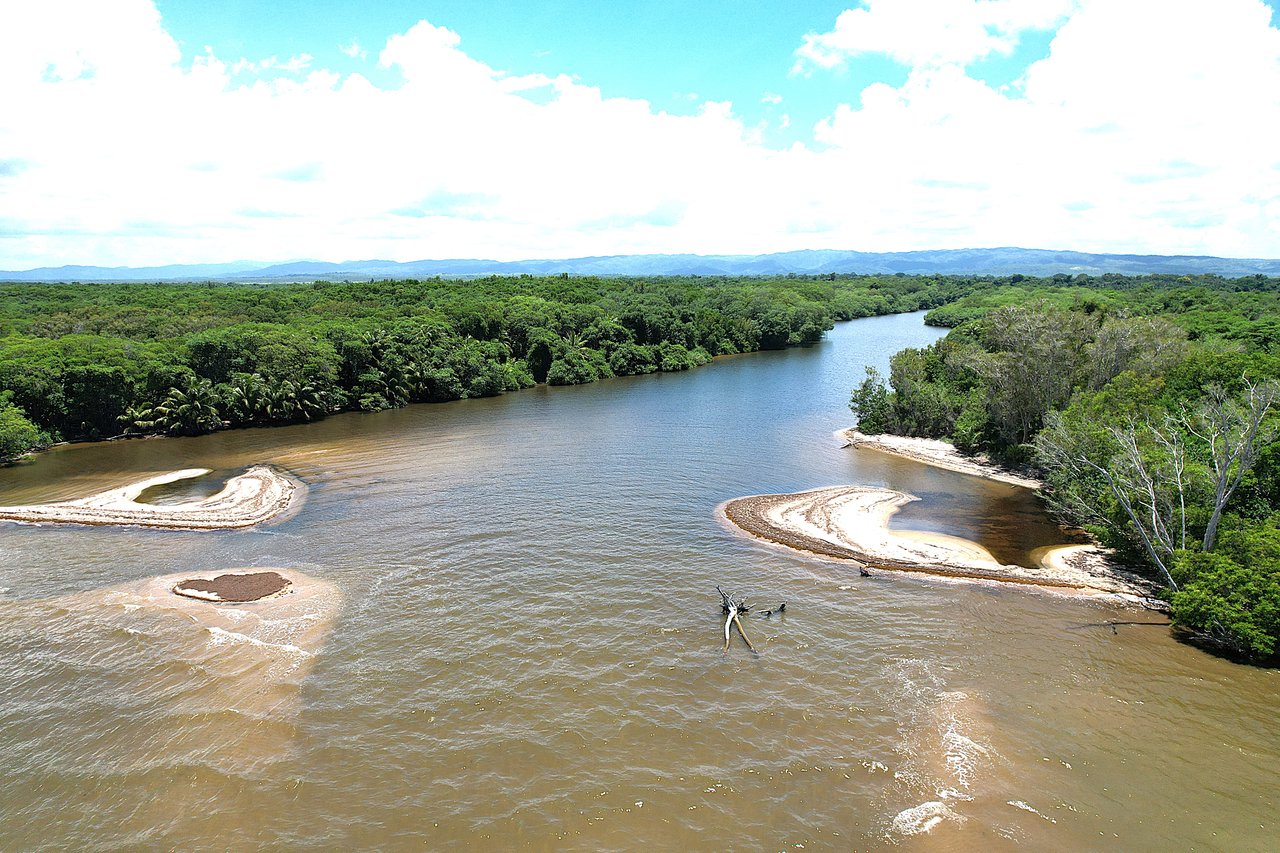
column 526, row 651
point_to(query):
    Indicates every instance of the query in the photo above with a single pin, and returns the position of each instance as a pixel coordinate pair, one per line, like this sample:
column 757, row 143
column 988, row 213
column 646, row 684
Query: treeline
column 90, row 361
column 1151, row 411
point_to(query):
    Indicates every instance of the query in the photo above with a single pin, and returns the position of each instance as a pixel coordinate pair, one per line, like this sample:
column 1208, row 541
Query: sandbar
column 851, row 523
column 201, row 696
column 938, row 453
column 256, row 496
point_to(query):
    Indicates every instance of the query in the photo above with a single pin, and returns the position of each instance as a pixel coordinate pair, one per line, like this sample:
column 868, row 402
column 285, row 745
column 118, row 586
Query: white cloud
column 929, row 32
column 354, row 50
column 771, row 99
column 292, row 65
column 1148, row 128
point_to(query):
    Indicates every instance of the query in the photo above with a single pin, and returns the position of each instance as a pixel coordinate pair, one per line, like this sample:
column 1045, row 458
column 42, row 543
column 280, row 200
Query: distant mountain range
column 995, row 262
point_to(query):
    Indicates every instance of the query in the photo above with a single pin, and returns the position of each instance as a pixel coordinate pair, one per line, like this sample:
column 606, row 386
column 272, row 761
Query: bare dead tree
column 1152, row 487
column 1156, row 488
column 1232, row 430
column 1140, row 491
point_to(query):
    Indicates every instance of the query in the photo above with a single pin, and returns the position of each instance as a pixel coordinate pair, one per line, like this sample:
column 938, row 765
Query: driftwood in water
column 1112, row 625
column 732, row 609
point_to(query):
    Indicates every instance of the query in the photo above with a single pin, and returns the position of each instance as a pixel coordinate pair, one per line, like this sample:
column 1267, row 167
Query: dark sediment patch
column 234, row 588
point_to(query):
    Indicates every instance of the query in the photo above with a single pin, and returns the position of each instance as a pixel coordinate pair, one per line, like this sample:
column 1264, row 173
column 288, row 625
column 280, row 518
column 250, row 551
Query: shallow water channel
column 526, row 652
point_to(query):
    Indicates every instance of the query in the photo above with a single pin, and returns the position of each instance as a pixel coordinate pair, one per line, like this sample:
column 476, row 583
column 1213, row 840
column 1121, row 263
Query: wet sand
column 256, row 496
column 851, row 523
column 940, row 454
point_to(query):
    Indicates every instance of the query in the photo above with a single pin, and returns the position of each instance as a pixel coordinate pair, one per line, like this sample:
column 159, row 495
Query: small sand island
column 851, row 523
column 235, row 587
column 256, row 496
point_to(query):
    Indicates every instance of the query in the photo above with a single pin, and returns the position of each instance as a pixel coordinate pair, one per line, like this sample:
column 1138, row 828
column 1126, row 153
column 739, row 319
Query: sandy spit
column 851, row 523
column 258, row 495
column 940, row 454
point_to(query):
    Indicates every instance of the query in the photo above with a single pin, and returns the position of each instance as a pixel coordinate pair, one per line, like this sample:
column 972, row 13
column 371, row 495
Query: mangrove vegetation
column 90, row 361
column 1149, row 406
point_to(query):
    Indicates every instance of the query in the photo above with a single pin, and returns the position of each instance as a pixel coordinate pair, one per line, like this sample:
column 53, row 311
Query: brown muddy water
column 522, row 649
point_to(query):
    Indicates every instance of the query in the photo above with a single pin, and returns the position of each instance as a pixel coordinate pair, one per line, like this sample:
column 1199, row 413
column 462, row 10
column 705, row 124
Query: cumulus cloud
column 929, row 32
column 354, row 50
column 292, row 65
column 1147, row 128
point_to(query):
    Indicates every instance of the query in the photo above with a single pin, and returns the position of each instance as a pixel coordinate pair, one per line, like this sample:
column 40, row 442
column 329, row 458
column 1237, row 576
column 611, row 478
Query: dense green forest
column 90, row 361
column 1149, row 403
column 1149, row 406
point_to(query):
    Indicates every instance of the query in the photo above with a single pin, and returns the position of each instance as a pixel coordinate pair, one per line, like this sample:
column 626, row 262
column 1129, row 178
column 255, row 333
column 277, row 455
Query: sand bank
column 176, row 711
column 223, row 681
column 939, row 454
column 285, row 610
column 258, row 495
column 851, row 523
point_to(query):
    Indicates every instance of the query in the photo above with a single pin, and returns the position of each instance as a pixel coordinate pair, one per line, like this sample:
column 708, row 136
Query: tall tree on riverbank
column 1152, row 420
column 1232, row 431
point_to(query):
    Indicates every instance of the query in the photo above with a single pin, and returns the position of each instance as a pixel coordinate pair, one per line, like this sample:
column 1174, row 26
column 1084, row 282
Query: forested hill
column 1152, row 409
column 993, row 262
column 89, row 361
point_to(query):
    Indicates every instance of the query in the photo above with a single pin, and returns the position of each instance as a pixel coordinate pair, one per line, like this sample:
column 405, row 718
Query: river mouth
column 527, row 649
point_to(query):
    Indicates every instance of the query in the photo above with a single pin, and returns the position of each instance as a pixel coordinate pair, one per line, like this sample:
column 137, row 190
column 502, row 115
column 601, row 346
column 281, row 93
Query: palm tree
column 189, row 411
column 312, row 401
column 245, row 397
column 137, row 419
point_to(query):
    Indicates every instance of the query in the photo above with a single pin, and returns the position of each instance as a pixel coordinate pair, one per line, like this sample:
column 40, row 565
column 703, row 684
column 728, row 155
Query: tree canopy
column 1150, row 407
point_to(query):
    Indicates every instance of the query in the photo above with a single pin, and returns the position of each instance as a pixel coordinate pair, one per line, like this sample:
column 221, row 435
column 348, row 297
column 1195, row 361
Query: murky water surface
column 527, row 650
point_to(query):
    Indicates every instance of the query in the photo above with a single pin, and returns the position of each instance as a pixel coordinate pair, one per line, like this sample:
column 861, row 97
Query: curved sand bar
column 851, row 523
column 258, row 495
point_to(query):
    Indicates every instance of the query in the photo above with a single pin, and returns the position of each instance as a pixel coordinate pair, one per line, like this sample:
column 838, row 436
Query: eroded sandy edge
column 256, row 496
column 851, row 523
column 939, row 454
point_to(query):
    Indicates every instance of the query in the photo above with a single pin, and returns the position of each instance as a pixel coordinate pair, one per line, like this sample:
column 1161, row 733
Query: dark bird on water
column 779, row 609
column 864, row 572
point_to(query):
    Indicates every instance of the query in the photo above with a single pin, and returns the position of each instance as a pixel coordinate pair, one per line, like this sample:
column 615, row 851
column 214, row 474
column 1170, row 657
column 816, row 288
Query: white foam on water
column 1019, row 804
column 923, row 818
column 964, row 755
column 221, row 636
column 945, row 754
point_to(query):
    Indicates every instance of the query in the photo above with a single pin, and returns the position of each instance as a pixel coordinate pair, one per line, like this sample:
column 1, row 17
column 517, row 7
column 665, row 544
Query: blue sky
column 165, row 131
column 673, row 55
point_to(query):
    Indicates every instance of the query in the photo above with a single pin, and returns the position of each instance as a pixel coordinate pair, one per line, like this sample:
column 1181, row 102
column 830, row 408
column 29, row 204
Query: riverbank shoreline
column 259, row 495
column 851, row 523
column 938, row 453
